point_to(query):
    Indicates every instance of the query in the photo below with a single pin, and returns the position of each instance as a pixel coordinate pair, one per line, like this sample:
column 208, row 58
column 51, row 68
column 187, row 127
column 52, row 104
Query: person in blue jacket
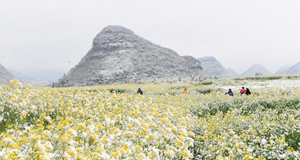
column 230, row 92
column 140, row 91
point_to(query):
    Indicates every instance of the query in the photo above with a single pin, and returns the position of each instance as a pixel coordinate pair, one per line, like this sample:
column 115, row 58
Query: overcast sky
column 58, row 33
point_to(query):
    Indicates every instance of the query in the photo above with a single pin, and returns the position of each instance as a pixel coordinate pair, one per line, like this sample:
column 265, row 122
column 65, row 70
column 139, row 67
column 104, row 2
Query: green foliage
column 205, row 90
column 178, row 87
column 293, row 139
column 207, row 83
column 10, row 117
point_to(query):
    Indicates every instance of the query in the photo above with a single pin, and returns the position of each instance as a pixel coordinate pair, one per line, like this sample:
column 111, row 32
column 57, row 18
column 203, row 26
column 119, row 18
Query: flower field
column 92, row 123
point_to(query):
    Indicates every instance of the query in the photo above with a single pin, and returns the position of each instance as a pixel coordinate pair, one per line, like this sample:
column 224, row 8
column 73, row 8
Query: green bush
column 207, row 83
column 205, row 91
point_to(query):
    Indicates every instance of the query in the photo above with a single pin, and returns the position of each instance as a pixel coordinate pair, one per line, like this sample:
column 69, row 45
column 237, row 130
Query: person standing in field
column 243, row 91
column 185, row 91
column 140, row 91
column 248, row 91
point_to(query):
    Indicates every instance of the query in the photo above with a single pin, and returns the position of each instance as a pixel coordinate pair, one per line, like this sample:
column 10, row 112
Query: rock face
column 5, row 75
column 215, row 69
column 295, row 69
column 256, row 69
column 120, row 56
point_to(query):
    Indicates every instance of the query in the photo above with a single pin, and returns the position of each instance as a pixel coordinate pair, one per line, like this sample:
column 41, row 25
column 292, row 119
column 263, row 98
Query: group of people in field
column 230, row 93
column 242, row 92
column 139, row 91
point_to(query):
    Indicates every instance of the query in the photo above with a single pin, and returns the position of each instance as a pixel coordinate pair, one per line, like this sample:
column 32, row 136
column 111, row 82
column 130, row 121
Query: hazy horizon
column 57, row 34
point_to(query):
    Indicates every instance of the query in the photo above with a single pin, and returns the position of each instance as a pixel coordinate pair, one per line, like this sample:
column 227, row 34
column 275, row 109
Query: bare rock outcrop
column 120, row 56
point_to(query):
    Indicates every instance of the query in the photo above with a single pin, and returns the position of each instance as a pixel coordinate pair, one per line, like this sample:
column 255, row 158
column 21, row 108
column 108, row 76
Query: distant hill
column 256, row 69
column 120, row 56
column 22, row 77
column 5, row 75
column 231, row 73
column 44, row 75
column 295, row 69
column 215, row 69
column 283, row 68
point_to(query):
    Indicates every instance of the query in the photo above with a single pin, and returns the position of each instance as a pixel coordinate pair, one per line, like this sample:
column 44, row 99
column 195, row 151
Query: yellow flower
column 72, row 152
column 184, row 153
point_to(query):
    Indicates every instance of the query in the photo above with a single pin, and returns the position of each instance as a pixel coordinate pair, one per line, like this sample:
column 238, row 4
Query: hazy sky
column 58, row 33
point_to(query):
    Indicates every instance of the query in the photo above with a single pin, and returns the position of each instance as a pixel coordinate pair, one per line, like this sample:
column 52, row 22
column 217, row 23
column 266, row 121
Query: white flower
column 84, row 134
column 92, row 128
column 235, row 136
column 33, row 107
column 282, row 156
column 2, row 153
column 250, row 150
column 156, row 151
column 48, row 119
column 263, row 141
column 72, row 152
column 73, row 132
column 190, row 141
column 239, row 151
column 142, row 155
column 105, row 156
column 71, row 142
column 39, row 146
column 107, row 120
column 49, row 146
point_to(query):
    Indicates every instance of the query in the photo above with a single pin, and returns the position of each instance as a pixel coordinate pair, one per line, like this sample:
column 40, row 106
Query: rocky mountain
column 215, row 69
column 256, row 69
column 5, row 75
column 120, row 56
column 295, row 69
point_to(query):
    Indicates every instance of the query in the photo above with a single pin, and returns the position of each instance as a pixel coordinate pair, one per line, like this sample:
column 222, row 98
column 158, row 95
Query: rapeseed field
column 93, row 123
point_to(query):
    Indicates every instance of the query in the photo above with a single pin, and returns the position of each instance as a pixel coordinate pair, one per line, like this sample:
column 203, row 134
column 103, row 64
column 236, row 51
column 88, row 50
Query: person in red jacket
column 243, row 91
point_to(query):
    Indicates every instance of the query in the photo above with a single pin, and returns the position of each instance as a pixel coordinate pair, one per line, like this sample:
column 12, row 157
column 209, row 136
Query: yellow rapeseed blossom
column 92, row 123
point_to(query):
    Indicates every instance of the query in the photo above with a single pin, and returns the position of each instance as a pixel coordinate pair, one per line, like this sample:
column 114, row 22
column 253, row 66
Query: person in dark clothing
column 230, row 92
column 248, row 91
column 140, row 91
